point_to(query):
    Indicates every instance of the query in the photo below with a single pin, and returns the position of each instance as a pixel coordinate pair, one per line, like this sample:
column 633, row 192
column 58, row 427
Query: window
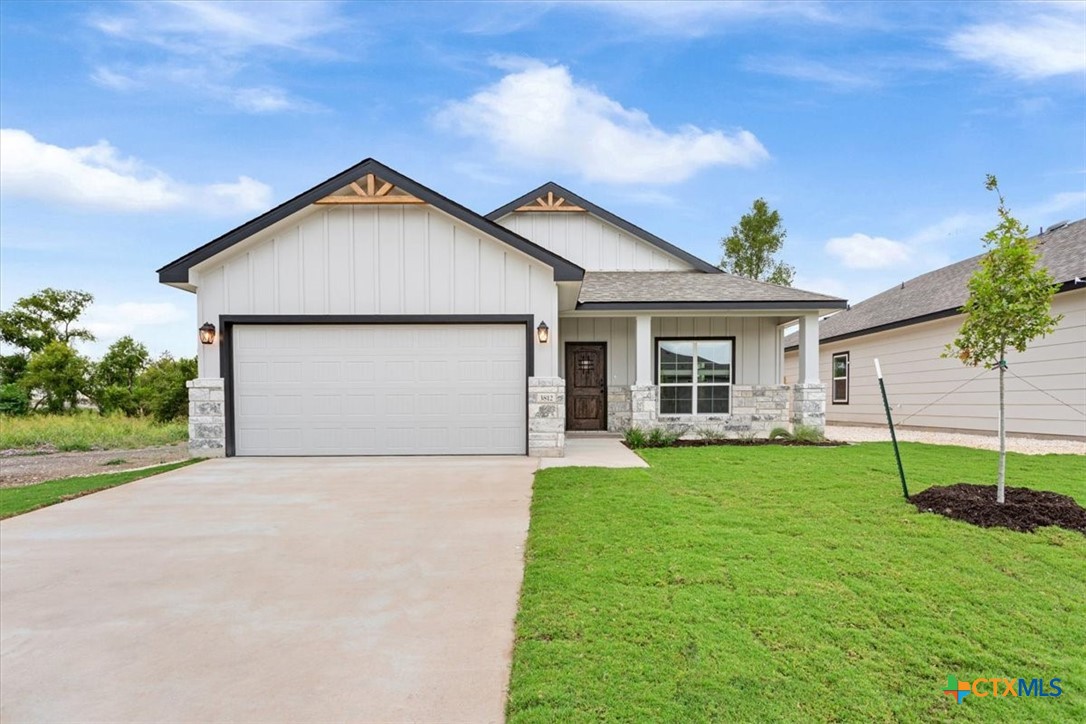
column 840, row 378
column 695, row 376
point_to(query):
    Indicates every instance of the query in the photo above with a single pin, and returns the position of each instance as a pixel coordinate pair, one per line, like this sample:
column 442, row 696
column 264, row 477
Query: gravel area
column 1027, row 445
column 23, row 467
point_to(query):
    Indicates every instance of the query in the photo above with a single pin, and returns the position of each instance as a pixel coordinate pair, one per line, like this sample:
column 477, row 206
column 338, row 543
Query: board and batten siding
column 916, row 376
column 376, row 260
column 591, row 242
column 757, row 354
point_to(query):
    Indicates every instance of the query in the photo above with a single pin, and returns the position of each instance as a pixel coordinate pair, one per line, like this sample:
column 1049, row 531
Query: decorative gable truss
column 549, row 203
column 370, row 190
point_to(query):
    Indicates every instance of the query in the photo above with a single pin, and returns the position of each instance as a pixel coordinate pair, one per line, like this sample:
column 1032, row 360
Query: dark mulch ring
column 1024, row 510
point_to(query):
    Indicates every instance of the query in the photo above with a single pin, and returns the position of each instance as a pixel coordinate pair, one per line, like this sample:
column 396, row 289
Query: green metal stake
column 893, row 435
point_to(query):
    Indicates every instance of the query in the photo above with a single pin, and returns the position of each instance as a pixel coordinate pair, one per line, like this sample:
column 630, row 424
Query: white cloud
column 111, row 321
column 861, row 251
column 698, row 18
column 814, row 71
column 211, row 46
column 539, row 114
column 1038, row 40
column 99, row 177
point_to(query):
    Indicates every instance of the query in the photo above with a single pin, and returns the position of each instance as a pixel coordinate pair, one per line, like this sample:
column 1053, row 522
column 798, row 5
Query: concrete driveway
column 271, row 590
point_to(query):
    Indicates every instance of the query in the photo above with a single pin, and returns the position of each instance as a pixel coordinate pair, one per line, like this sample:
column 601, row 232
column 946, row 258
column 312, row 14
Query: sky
column 134, row 132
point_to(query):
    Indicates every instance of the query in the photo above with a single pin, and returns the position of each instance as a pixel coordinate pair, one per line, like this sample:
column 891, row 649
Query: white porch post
column 643, row 347
column 808, row 348
column 643, row 392
column 809, row 395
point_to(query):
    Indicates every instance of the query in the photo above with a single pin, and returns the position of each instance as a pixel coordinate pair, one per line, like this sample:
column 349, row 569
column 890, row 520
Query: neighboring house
column 370, row 315
column 907, row 328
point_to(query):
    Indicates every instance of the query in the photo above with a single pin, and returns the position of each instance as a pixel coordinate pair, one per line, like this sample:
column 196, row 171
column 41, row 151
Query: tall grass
column 87, row 431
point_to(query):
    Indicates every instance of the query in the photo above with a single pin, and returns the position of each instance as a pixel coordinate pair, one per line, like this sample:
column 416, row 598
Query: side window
column 840, row 378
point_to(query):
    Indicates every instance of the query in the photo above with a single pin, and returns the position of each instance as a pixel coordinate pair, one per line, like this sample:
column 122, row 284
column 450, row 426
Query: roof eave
column 805, row 305
column 613, row 219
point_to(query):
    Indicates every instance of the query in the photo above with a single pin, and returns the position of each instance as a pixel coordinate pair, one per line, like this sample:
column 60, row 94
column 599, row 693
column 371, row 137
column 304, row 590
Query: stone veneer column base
column 809, row 405
column 546, row 417
column 643, row 406
column 207, row 417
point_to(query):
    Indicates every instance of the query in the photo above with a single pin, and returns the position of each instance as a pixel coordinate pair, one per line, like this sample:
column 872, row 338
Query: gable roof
column 177, row 271
column 699, row 264
column 943, row 292
column 692, row 290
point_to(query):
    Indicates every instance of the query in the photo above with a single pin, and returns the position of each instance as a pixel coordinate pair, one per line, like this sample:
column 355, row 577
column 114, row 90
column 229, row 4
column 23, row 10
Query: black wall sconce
column 207, row 333
column 543, row 332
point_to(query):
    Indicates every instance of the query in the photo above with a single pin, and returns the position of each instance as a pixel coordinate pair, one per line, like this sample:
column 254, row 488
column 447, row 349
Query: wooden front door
column 586, row 386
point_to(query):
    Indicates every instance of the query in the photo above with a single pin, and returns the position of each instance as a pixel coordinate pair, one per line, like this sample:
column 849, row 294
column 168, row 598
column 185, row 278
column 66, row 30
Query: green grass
column 16, row 501
column 792, row 584
column 88, row 431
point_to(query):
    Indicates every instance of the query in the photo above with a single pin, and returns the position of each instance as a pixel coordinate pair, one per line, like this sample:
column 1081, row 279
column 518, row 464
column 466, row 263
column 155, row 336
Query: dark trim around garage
column 226, row 350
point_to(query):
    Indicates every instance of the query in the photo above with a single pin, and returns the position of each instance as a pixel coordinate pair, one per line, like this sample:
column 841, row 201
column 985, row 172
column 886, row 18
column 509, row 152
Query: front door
column 586, row 386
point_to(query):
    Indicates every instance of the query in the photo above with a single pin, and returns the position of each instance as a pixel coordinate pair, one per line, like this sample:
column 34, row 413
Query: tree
column 1009, row 305
column 749, row 250
column 59, row 374
column 12, row 367
column 160, row 389
column 113, row 381
column 47, row 316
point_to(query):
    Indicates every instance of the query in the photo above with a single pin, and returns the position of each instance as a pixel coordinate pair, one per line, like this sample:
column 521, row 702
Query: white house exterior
column 372, row 316
column 908, row 327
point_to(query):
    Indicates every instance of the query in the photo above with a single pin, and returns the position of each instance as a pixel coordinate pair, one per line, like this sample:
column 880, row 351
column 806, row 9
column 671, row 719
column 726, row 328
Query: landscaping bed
column 1024, row 510
column 753, row 443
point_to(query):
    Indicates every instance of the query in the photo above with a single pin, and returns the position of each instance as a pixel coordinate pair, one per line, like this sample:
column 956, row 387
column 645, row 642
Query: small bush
column 662, row 437
column 706, row 433
column 635, row 438
column 14, row 400
column 808, row 433
column 780, row 433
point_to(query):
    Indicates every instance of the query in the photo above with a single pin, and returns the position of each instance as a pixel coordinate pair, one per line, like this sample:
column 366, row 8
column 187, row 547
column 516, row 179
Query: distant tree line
column 47, row 374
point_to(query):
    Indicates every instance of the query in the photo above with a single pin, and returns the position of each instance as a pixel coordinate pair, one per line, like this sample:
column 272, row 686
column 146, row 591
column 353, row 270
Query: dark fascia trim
column 226, row 349
column 711, row 306
column 930, row 317
column 178, row 270
column 699, row 264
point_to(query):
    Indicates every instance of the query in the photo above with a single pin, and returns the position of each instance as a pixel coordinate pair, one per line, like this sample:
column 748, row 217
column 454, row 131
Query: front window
column 695, row 376
column 840, row 378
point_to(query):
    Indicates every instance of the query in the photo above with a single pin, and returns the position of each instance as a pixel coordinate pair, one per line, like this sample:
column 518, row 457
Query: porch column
column 808, row 348
column 809, row 395
column 643, row 347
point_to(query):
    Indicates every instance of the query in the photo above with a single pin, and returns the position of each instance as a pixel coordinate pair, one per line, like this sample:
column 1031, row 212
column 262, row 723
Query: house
column 371, row 315
column 907, row 328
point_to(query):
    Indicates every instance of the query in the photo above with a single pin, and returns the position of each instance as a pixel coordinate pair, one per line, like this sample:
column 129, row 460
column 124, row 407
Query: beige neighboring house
column 907, row 328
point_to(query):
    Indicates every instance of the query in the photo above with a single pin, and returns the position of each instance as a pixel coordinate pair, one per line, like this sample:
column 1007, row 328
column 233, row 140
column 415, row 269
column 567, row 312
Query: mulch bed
column 1024, row 510
column 752, row 443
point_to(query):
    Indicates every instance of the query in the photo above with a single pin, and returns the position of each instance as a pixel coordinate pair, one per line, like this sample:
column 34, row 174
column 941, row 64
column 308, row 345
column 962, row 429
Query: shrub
column 13, row 400
column 662, row 437
column 635, row 437
column 706, row 433
column 780, row 433
column 59, row 373
column 160, row 389
column 808, row 433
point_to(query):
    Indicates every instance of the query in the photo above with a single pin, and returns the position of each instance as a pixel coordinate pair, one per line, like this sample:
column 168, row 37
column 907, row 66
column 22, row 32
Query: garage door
column 379, row 389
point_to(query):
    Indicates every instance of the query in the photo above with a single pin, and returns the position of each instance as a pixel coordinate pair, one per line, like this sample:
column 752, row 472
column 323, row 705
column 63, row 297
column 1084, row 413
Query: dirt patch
column 26, row 467
column 1024, row 510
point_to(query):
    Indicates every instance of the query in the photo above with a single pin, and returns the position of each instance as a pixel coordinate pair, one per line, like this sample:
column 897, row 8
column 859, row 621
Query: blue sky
column 134, row 132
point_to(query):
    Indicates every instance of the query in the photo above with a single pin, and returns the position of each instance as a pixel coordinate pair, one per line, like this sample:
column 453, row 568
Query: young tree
column 45, row 317
column 59, row 374
column 113, row 380
column 749, row 250
column 1009, row 305
column 160, row 389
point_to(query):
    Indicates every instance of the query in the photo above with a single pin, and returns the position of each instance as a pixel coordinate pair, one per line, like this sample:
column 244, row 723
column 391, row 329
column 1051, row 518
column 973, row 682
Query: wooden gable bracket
column 550, row 204
column 370, row 190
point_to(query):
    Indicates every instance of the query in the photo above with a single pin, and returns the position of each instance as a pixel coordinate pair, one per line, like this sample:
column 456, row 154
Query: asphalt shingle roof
column 677, row 286
column 1063, row 252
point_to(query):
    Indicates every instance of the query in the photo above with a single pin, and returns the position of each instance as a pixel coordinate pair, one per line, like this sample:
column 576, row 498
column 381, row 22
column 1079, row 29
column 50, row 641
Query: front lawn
column 793, row 584
column 87, row 431
column 15, row 501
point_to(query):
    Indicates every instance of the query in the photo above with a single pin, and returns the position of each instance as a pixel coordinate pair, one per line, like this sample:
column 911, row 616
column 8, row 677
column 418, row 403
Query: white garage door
column 328, row 389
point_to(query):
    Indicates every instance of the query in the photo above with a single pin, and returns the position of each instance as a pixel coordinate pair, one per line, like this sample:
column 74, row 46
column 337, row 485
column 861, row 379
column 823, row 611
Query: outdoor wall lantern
column 543, row 332
column 207, row 333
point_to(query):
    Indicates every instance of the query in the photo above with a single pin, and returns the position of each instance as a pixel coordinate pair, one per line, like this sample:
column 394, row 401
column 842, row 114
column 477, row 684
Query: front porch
column 699, row 374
